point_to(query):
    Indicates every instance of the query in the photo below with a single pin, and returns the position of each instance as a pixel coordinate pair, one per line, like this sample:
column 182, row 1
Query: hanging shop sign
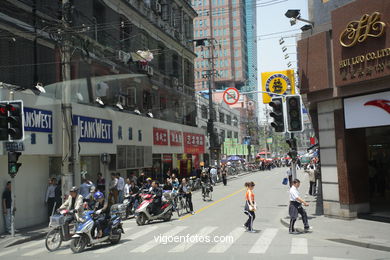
column 367, row 111
column 278, row 82
column 160, row 136
column 38, row 120
column 175, row 138
column 362, row 42
column 93, row 130
column 194, row 143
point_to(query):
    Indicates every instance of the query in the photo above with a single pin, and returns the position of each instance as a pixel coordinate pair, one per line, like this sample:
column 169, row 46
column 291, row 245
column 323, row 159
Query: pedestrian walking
column 250, row 206
column 296, row 207
column 50, row 197
column 120, row 186
column 224, row 175
column 289, row 176
column 101, row 183
column 214, row 174
column 6, row 203
column 58, row 195
column 85, row 189
column 312, row 179
column 113, row 195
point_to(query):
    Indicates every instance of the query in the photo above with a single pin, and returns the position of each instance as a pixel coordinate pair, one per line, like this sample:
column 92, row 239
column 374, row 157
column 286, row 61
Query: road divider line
column 153, row 243
column 223, row 247
column 35, row 252
column 262, row 244
column 299, row 246
column 212, row 204
column 185, row 246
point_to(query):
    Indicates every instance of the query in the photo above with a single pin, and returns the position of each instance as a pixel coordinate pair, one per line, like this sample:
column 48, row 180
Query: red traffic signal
column 11, row 120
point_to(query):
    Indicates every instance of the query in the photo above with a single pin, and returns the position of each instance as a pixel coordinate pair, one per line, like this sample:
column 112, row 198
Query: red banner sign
column 160, row 136
column 175, row 137
column 194, row 143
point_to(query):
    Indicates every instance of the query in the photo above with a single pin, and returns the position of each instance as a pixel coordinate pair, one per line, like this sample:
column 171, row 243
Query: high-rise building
column 222, row 24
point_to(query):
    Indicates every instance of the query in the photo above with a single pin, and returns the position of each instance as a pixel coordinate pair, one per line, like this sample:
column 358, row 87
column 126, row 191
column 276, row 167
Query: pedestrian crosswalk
column 155, row 238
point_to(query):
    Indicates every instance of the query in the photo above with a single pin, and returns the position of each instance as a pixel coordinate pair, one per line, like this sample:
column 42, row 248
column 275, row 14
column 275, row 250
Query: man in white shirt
column 214, row 174
column 120, row 186
column 50, row 197
column 296, row 207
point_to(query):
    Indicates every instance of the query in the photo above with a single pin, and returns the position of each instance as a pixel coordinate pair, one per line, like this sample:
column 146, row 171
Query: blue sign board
column 93, row 130
column 38, row 120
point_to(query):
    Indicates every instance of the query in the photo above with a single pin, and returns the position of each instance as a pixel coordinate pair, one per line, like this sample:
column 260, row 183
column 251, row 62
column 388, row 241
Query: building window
column 221, row 117
column 236, row 53
column 238, row 74
column 229, row 134
column 236, row 135
column 235, row 121
column 228, row 119
column 204, row 111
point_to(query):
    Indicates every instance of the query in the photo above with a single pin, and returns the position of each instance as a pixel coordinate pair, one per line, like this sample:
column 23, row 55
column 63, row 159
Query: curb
column 347, row 241
column 25, row 239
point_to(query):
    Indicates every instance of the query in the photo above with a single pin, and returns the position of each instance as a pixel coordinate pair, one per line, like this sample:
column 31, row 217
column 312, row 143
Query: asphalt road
column 219, row 219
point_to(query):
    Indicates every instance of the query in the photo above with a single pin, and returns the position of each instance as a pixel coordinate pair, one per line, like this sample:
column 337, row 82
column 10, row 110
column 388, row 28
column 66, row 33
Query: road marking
column 127, row 229
column 142, row 232
column 222, row 247
column 185, row 246
column 262, row 244
column 8, row 252
column 152, row 243
column 299, row 246
column 33, row 244
column 329, row 258
column 63, row 252
column 35, row 252
column 212, row 204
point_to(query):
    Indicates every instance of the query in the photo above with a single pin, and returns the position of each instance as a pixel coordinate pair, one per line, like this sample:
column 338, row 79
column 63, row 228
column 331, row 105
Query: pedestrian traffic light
column 294, row 113
column 13, row 165
column 293, row 154
column 277, row 114
column 11, row 120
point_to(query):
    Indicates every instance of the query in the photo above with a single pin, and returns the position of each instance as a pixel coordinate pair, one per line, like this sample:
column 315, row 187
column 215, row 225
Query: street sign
column 14, row 146
column 277, row 82
column 231, row 96
column 269, row 140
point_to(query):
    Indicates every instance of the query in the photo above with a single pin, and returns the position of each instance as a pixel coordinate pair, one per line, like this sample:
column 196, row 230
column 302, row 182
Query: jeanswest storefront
column 345, row 76
column 127, row 138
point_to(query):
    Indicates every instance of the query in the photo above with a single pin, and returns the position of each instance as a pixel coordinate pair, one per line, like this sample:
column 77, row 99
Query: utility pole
column 66, row 106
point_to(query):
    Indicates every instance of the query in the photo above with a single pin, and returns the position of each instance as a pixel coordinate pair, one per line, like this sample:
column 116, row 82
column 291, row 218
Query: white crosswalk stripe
column 35, row 252
column 153, row 243
column 32, row 244
column 262, row 244
column 330, row 258
column 8, row 252
column 299, row 246
column 185, row 246
column 222, row 247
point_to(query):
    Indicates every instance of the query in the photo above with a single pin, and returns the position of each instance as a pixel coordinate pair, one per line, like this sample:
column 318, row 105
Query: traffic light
column 292, row 143
column 277, row 114
column 13, row 165
column 11, row 120
column 294, row 113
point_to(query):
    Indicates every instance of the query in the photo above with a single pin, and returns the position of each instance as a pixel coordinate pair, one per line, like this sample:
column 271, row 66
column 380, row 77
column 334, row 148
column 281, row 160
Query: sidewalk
column 357, row 232
column 24, row 235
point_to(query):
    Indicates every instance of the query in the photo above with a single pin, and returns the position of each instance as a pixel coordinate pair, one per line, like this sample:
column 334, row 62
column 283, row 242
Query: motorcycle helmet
column 74, row 189
column 98, row 195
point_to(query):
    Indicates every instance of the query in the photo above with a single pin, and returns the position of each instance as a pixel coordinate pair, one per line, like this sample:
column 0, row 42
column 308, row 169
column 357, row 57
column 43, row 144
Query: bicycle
column 208, row 192
column 61, row 231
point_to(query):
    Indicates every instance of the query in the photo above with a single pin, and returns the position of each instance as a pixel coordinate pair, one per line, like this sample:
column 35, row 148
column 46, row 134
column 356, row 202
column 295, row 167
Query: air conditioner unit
column 158, row 7
column 150, row 70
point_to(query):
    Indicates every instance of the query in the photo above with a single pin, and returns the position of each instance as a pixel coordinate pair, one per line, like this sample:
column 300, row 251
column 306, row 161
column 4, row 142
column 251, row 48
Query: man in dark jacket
column 157, row 192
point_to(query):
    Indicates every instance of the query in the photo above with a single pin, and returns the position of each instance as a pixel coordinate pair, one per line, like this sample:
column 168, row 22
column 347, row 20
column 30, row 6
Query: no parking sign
column 231, row 96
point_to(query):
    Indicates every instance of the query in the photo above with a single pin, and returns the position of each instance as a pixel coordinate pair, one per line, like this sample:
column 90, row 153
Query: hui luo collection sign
column 38, row 120
column 93, row 130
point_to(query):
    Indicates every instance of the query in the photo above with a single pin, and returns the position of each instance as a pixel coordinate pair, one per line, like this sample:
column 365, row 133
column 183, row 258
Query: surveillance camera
column 293, row 21
column 293, row 13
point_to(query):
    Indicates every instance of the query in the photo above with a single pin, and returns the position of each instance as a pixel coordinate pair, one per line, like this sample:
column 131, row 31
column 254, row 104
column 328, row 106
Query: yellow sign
column 278, row 82
column 359, row 31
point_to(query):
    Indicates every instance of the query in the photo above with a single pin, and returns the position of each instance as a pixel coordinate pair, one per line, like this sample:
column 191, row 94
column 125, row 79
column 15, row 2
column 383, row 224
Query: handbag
column 252, row 208
column 285, row 181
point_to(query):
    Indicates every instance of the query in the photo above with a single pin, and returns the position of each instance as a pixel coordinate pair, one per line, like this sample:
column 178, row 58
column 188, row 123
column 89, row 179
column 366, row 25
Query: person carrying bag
column 250, row 206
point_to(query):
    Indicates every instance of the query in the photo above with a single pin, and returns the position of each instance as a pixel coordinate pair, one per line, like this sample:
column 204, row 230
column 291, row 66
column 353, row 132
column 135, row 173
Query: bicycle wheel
column 53, row 239
column 177, row 206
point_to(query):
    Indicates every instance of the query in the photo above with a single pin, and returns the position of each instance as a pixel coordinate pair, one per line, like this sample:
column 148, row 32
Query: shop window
column 130, row 133
column 228, row 120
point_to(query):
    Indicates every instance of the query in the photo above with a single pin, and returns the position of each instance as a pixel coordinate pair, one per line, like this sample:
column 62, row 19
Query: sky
column 271, row 26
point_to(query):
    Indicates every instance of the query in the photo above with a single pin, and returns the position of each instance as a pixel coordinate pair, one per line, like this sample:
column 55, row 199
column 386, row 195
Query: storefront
column 345, row 79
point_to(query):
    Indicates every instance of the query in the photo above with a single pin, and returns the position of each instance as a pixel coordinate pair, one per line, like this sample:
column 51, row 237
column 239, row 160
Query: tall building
column 222, row 24
column 250, row 18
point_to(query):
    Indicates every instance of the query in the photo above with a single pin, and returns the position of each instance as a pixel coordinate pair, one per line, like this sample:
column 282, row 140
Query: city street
column 221, row 217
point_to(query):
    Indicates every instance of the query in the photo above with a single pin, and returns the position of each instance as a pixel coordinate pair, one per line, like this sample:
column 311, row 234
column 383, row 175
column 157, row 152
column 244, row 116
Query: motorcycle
column 83, row 236
column 129, row 205
column 143, row 214
column 61, row 231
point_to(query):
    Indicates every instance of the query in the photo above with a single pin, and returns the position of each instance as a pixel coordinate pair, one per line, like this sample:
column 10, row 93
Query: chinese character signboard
column 160, row 136
column 175, row 138
column 193, row 143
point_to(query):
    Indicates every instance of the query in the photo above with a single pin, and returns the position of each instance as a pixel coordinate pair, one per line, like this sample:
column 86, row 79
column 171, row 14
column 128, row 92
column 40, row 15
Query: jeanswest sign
column 38, row 120
column 93, row 130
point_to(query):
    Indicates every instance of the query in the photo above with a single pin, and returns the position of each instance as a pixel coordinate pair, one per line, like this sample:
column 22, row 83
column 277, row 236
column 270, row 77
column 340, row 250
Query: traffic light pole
column 13, row 193
column 293, row 161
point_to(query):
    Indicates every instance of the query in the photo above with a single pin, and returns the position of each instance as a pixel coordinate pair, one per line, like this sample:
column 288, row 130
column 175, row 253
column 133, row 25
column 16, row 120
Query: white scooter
column 143, row 215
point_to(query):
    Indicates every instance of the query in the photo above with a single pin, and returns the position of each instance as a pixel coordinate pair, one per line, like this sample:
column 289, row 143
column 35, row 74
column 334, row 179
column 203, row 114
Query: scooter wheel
column 78, row 244
column 141, row 219
column 53, row 239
